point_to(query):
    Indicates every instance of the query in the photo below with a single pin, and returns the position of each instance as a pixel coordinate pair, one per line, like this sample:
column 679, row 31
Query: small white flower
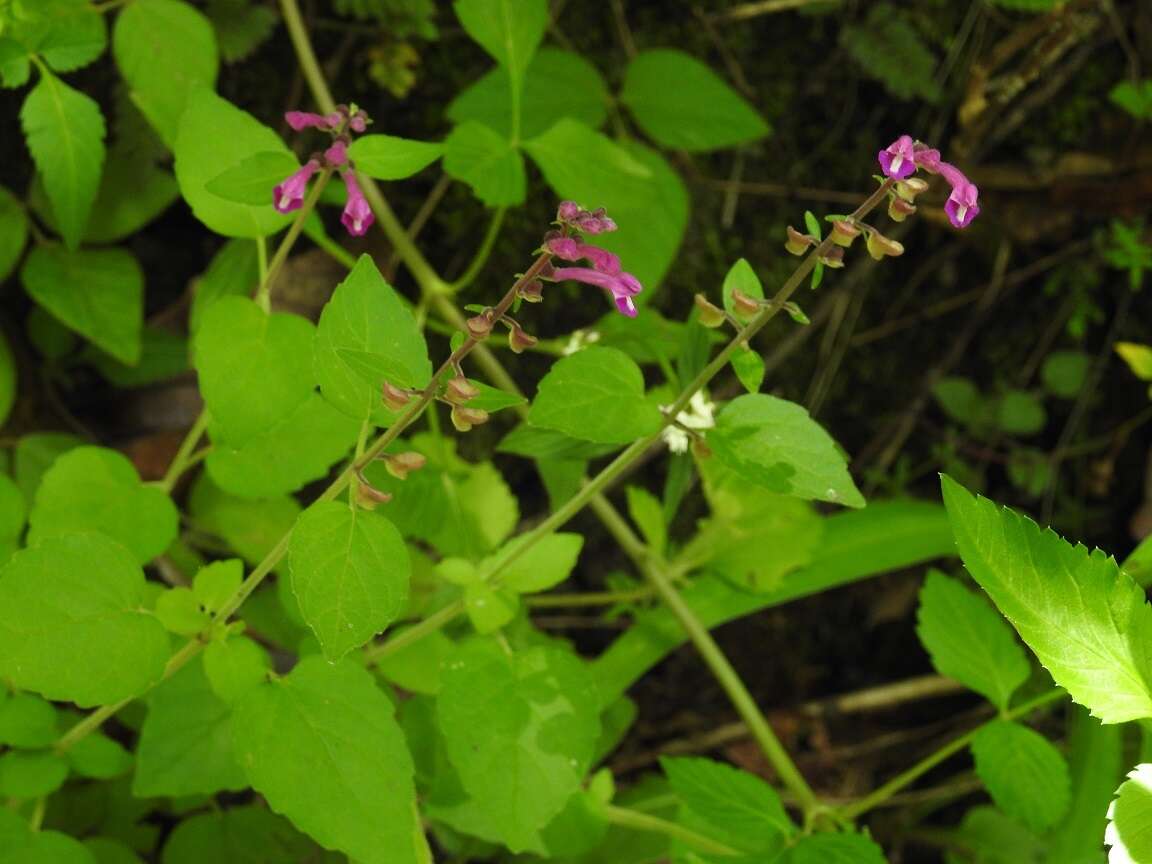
column 578, row 340
column 699, row 415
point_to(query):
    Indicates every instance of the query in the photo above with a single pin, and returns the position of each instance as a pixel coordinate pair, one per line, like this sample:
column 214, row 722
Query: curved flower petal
column 898, row 159
column 288, row 195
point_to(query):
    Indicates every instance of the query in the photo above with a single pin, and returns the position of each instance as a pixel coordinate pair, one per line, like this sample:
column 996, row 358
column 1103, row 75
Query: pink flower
column 961, row 206
column 568, row 211
column 584, row 221
column 358, row 122
column 898, row 159
column 904, row 156
column 571, row 249
column 289, row 194
column 357, row 216
column 622, row 286
column 301, row 120
column 337, row 154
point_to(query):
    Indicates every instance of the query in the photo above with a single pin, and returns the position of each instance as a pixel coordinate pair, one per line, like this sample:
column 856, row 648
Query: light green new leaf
column 235, row 666
column 35, row 454
column 773, row 442
column 185, row 745
column 969, row 641
column 1083, row 617
column 509, row 30
column 520, row 731
column 65, row 133
column 13, row 231
column 255, row 368
column 387, row 157
column 252, row 179
column 234, row 270
column 595, row 395
column 684, row 105
column 836, row 849
column 1129, row 830
column 734, row 806
column 631, row 181
column 250, row 834
column 214, row 135
column 166, row 50
column 99, row 293
column 350, row 571
column 96, row 489
column 487, row 162
column 1025, row 774
column 71, row 627
column 322, row 746
column 544, row 565
column 131, row 195
column 367, row 336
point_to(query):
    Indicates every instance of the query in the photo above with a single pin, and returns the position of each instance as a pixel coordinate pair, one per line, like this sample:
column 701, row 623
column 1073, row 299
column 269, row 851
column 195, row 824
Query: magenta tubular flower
column 898, row 159
column 337, row 154
column 301, row 120
column 289, row 194
column 962, row 206
column 622, row 286
column 357, row 216
column 571, row 249
column 927, row 158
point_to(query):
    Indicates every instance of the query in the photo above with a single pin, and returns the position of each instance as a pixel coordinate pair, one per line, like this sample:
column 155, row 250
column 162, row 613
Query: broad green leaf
column 1129, row 830
column 387, row 157
column 234, row 667
column 969, row 641
column 544, row 565
column 99, row 293
column 15, row 65
column 520, row 756
column 681, row 103
column 13, row 231
column 416, row 667
column 99, row 757
column 234, row 270
column 536, row 443
column 1078, row 611
column 13, row 513
column 44, row 847
column 250, row 526
column 836, row 849
column 489, row 609
column 509, row 30
column 214, row 134
column 66, row 34
column 1094, row 761
column 367, row 336
column 109, row 851
column 35, row 454
column 166, row 50
column 350, row 572
column 1020, row 413
column 648, row 514
column 1064, row 372
column 558, row 84
column 215, row 583
column 741, row 277
column 773, row 442
column 323, row 748
column 595, row 395
column 732, row 805
column 240, row 28
column 1025, row 774
column 1135, row 97
column 70, row 625
column 252, row 180
column 631, row 181
column 491, row 399
column 179, row 611
column 185, row 745
column 131, row 196
column 487, row 162
column 163, row 355
column 65, row 133
column 31, row 773
column 27, row 720
column 239, row 835
column 255, row 368
column 96, row 489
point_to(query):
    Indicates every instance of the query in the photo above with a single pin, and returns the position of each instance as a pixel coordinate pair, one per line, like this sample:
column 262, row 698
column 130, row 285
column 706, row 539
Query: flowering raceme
column 903, row 156
column 605, row 271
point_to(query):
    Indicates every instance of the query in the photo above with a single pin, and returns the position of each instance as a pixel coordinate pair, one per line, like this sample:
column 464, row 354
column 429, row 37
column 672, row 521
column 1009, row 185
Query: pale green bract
column 1025, row 774
column 1083, row 617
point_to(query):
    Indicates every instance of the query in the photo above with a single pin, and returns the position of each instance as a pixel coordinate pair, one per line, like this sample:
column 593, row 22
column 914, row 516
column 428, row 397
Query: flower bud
column 519, row 341
column 568, row 211
column 899, row 209
column 479, row 326
column 367, row 495
column 908, row 189
column 880, row 246
column 460, row 390
column 400, row 465
column 465, row 418
column 833, row 258
column 395, row 398
column 797, row 243
column 744, row 305
column 844, row 232
column 533, row 292
column 710, row 316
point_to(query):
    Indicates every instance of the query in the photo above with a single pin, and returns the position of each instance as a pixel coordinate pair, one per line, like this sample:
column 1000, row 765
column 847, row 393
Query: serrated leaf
column 367, row 336
column 35, row 454
column 66, row 35
column 387, row 157
column 96, row 489
column 699, row 113
column 1078, row 611
column 595, row 395
column 1129, row 829
column 774, row 443
column 131, row 196
column 1025, row 774
column 836, row 849
column 13, row 231
column 509, row 30
column 252, row 179
column 166, row 50
column 70, row 625
column 490, row 164
column 322, row 746
column 969, row 641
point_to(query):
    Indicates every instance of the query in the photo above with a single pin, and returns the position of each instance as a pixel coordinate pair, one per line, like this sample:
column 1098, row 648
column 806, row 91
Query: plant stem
column 183, row 458
column 639, row 821
column 591, row 598
column 883, row 793
column 481, row 256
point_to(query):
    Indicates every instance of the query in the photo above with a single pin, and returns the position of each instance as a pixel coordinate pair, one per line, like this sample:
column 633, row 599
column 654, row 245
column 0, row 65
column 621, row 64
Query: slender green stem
column 905, row 778
column 263, row 295
column 591, row 598
column 37, row 818
column 413, row 634
column 481, row 256
column 639, row 821
column 183, row 459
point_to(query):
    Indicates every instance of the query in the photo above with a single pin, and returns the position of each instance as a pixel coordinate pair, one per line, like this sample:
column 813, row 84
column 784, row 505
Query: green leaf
column 1078, row 611
column 836, row 849
column 1020, row 413
column 255, row 368
column 417, row 667
column 890, row 50
column 959, row 398
column 749, row 368
column 489, row 609
column 681, row 103
column 250, row 527
column 27, row 720
column 166, row 50
column 350, row 572
column 773, row 442
column 251, row 180
column 558, row 84
column 44, row 847
column 106, row 850
column 96, row 489
column 1027, row 5
column 70, row 625
column 13, row 231
column 67, row 35
column 240, row 28
column 546, row 564
column 1025, row 774
column 595, row 395
column 491, row 399
column 490, row 164
column 239, row 835
column 969, row 641
column 1094, row 760
column 648, row 514
column 1135, row 97
column 15, row 67
column 131, row 195
column 65, row 133
column 732, row 805
column 509, row 30
column 1138, row 357
column 1129, row 831
column 536, row 443
column 31, row 774
column 99, row 757
column 215, row 583
column 631, row 181
column 234, row 270
column 215, row 134
column 367, row 336
column 178, row 610
column 1064, row 372
column 387, row 157
column 520, row 756
column 234, row 667
column 99, row 293
column 323, row 748
column 185, row 745
column 741, row 277
column 35, row 454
